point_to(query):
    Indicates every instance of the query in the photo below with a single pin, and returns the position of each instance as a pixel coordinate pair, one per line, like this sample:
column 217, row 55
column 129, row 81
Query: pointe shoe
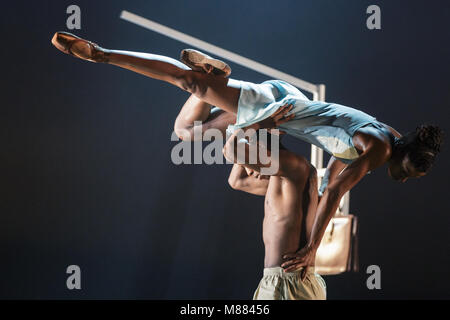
column 80, row 48
column 199, row 61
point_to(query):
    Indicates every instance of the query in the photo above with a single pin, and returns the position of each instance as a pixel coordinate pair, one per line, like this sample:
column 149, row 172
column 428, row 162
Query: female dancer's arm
column 375, row 155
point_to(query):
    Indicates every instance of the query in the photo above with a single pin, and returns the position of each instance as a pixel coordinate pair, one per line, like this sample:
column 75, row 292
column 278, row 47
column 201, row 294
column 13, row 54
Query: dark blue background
column 86, row 176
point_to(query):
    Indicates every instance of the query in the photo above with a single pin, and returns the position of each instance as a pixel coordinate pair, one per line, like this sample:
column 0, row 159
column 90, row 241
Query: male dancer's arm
column 248, row 180
column 197, row 110
column 285, row 163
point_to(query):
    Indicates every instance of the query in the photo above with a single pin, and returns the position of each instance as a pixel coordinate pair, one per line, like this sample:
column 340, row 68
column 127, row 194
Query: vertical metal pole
column 314, row 149
column 321, row 92
column 317, row 153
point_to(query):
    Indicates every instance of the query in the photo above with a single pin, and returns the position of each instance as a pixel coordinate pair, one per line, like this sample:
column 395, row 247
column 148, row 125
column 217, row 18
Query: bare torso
column 289, row 210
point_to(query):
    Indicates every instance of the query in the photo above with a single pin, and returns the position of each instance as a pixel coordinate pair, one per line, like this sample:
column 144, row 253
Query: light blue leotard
column 329, row 126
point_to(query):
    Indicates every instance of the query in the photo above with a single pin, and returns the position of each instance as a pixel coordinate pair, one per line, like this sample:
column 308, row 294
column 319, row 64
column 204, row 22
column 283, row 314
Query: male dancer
column 358, row 142
column 291, row 198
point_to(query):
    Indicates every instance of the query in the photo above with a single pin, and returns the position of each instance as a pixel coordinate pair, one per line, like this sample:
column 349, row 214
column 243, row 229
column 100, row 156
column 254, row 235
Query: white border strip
column 228, row 55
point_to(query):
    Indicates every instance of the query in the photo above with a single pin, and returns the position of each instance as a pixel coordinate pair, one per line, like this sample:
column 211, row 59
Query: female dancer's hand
column 305, row 258
column 275, row 120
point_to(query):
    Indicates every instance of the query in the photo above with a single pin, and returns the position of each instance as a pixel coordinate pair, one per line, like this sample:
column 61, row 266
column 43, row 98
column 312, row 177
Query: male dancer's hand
column 305, row 258
column 255, row 174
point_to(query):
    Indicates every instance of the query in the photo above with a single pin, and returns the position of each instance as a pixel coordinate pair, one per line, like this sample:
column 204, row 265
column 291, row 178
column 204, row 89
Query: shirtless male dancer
column 357, row 142
column 291, row 198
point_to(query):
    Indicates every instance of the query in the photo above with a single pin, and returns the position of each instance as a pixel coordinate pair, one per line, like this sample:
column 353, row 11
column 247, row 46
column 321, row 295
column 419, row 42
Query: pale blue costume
column 329, row 126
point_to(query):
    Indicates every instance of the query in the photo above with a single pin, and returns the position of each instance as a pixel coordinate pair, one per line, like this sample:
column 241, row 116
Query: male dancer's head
column 414, row 153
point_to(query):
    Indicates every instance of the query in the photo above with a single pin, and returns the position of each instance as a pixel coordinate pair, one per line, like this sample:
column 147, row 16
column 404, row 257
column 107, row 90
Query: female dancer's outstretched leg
column 215, row 90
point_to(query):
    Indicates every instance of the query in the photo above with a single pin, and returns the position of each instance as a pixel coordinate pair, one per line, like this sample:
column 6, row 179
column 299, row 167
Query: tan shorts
column 279, row 285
